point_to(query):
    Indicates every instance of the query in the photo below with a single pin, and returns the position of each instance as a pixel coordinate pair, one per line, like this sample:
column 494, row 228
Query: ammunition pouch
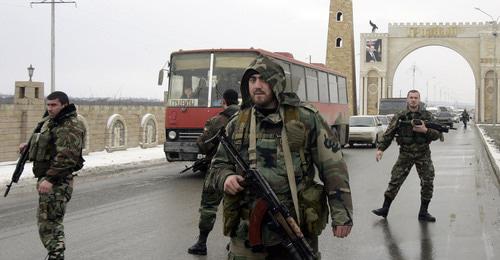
column 314, row 208
column 39, row 147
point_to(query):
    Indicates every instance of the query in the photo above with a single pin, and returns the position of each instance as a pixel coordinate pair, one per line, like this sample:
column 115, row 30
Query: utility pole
column 414, row 68
column 494, row 24
column 53, row 37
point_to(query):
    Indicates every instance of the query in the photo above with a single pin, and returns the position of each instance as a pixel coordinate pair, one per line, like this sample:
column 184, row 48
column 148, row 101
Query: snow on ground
column 495, row 153
column 94, row 160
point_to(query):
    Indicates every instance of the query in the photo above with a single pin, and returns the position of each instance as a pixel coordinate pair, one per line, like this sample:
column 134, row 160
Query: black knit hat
column 230, row 96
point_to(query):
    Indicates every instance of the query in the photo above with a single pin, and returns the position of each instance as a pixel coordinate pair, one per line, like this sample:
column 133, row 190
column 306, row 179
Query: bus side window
column 298, row 81
column 312, row 85
column 323, row 88
column 332, row 85
column 288, row 75
column 342, row 91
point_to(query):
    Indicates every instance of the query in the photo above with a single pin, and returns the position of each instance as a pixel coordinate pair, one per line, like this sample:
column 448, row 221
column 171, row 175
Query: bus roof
column 285, row 56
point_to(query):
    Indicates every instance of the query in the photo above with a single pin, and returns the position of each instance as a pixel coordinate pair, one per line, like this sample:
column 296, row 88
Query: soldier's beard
column 263, row 101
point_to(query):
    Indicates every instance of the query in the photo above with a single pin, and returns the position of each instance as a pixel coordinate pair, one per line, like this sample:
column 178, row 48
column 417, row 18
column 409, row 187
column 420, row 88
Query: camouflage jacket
column 212, row 126
column 409, row 140
column 319, row 145
column 56, row 150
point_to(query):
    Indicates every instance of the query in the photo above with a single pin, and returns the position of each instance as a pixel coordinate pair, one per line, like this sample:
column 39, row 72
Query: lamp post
column 494, row 24
column 30, row 71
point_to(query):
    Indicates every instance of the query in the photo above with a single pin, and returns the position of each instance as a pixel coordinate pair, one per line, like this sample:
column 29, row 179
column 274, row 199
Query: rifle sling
column 252, row 156
column 289, row 165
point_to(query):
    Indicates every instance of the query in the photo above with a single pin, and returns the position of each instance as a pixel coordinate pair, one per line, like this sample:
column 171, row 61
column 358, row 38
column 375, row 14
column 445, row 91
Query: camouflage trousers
column 50, row 215
column 238, row 251
column 425, row 169
column 210, row 200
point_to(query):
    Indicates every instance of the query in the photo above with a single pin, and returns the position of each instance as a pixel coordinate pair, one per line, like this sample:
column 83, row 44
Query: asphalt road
column 152, row 213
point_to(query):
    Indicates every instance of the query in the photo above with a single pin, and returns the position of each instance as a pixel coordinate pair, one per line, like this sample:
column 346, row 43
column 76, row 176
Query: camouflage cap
column 270, row 71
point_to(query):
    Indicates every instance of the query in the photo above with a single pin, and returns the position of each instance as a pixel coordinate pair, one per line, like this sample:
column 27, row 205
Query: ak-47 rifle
column 268, row 203
column 431, row 125
column 199, row 165
column 22, row 161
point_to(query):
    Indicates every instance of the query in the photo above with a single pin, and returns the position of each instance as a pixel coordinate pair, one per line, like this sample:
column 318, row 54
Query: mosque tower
column 340, row 46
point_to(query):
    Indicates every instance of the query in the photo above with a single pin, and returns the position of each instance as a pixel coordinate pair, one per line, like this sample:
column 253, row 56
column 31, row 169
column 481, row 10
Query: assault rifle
column 269, row 204
column 431, row 125
column 22, row 160
column 199, row 165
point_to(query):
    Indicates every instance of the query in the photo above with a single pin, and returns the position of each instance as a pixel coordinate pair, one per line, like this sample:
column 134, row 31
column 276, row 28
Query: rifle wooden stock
column 293, row 238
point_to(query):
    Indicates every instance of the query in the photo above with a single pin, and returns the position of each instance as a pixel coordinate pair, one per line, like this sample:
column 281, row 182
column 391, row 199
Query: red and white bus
column 197, row 79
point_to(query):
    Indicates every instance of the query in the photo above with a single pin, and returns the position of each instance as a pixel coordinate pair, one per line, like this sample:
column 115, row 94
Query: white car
column 384, row 120
column 365, row 130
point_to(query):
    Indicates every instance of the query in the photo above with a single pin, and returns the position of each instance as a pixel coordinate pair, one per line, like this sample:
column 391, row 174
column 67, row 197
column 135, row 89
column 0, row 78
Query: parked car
column 433, row 110
column 384, row 120
column 364, row 130
column 445, row 118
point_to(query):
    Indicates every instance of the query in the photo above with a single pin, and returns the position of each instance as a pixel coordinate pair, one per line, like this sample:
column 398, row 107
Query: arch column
column 482, row 99
column 365, row 95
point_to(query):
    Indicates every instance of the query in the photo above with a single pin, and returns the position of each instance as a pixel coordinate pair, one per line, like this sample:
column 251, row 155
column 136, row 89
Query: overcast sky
column 114, row 48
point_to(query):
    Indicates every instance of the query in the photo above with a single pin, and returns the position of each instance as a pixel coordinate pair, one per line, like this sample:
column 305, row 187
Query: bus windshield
column 188, row 80
column 190, row 75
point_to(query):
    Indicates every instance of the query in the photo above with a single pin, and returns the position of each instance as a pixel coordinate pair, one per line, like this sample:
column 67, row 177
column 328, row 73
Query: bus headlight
column 172, row 135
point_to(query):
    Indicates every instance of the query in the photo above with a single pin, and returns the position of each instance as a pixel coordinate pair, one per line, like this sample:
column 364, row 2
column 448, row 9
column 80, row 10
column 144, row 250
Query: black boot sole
column 197, row 252
column 379, row 214
column 423, row 219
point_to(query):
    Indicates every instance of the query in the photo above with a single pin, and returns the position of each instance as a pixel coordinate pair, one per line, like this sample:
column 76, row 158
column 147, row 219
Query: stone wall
column 100, row 120
column 109, row 127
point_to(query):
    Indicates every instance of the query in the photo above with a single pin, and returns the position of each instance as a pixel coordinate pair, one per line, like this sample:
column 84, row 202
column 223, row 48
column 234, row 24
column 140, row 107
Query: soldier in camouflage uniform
column 210, row 198
column 414, row 148
column 56, row 154
column 267, row 109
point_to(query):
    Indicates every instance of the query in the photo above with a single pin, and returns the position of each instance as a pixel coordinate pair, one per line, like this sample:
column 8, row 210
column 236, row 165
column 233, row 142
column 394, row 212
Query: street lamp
column 30, row 71
column 494, row 24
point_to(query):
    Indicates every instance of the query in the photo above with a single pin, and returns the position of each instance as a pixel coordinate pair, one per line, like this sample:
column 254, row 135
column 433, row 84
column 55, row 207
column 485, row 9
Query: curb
column 493, row 163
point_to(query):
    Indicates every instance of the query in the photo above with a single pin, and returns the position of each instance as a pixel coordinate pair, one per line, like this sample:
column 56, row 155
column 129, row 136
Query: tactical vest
column 312, row 196
column 406, row 135
column 42, row 149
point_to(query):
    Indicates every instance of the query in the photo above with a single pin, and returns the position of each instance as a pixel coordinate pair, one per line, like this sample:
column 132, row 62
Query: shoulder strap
column 252, row 142
column 243, row 120
column 288, row 161
column 292, row 113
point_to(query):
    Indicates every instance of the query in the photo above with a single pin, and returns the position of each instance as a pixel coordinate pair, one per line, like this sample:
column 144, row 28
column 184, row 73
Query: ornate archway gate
column 385, row 51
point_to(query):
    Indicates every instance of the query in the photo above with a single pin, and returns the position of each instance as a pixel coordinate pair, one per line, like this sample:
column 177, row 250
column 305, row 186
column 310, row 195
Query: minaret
column 340, row 46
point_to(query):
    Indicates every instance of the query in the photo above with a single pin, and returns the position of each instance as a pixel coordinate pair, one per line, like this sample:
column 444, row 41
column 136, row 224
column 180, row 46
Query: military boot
column 384, row 210
column 200, row 247
column 423, row 214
